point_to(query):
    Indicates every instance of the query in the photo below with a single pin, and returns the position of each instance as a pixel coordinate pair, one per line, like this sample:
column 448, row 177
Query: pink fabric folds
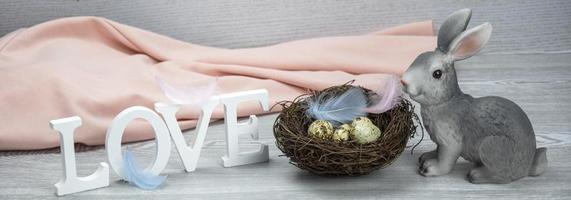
column 94, row 68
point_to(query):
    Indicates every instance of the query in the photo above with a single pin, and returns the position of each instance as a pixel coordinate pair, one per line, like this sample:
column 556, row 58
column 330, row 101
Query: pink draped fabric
column 94, row 68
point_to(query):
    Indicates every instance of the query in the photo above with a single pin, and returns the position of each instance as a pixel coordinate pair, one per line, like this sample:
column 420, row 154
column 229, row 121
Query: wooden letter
column 70, row 182
column 188, row 154
column 115, row 133
column 233, row 130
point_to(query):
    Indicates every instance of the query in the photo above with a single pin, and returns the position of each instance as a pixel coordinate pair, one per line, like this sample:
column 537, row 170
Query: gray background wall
column 522, row 26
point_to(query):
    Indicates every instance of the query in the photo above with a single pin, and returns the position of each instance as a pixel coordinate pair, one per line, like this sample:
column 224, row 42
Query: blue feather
column 137, row 176
column 338, row 110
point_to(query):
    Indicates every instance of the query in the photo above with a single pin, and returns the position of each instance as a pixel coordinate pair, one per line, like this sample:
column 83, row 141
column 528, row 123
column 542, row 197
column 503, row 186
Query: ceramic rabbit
column 492, row 132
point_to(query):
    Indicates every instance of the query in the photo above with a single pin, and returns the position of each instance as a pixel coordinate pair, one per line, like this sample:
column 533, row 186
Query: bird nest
column 328, row 157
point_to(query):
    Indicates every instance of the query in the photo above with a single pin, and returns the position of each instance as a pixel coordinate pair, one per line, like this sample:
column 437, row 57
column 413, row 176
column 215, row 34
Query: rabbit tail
column 539, row 164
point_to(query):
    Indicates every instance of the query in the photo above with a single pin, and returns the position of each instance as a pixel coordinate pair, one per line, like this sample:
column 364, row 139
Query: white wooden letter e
column 233, row 130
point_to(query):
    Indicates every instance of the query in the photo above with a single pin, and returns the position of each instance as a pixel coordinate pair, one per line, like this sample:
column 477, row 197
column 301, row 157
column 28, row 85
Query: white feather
column 391, row 96
column 195, row 95
column 337, row 110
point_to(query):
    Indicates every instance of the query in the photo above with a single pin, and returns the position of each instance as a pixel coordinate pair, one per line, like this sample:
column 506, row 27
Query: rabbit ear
column 454, row 24
column 470, row 42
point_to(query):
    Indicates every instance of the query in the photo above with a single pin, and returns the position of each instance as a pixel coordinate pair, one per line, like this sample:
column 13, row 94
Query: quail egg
column 320, row 129
column 364, row 131
column 360, row 119
column 342, row 133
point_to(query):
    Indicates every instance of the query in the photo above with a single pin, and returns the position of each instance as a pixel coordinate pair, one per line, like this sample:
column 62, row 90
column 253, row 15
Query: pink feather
column 391, row 96
column 189, row 95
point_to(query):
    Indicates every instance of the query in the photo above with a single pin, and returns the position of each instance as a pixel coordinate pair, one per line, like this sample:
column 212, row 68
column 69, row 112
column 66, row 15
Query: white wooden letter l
column 70, row 182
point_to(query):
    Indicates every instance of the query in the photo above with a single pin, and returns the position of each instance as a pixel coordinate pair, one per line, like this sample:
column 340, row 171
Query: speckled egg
column 321, row 129
column 342, row 133
column 365, row 131
column 360, row 119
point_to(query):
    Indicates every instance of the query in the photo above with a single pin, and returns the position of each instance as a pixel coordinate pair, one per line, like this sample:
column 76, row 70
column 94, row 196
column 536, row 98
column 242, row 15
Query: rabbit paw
column 427, row 156
column 482, row 174
column 432, row 167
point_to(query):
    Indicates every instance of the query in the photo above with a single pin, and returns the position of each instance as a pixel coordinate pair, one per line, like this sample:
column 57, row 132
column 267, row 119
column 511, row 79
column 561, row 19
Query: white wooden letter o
column 115, row 133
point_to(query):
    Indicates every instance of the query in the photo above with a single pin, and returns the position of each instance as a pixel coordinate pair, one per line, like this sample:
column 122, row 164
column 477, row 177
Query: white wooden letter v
column 188, row 154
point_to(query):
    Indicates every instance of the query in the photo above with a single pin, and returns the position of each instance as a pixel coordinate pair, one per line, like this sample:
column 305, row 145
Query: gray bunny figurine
column 492, row 132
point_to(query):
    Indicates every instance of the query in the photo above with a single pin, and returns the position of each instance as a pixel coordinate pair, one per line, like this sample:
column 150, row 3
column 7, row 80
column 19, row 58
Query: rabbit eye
column 437, row 74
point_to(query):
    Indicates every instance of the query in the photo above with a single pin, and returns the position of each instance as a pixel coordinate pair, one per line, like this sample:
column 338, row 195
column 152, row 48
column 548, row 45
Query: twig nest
column 336, row 156
column 321, row 129
column 342, row 133
column 364, row 131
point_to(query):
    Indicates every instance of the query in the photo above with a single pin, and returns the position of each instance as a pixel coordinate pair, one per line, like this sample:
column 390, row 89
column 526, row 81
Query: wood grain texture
column 543, row 92
column 519, row 26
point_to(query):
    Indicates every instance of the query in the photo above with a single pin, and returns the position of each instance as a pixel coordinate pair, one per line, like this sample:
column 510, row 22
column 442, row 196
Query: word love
column 164, row 128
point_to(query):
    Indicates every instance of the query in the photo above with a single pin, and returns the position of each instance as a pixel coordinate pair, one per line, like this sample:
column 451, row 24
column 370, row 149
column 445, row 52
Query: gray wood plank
column 543, row 92
column 519, row 26
column 280, row 180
